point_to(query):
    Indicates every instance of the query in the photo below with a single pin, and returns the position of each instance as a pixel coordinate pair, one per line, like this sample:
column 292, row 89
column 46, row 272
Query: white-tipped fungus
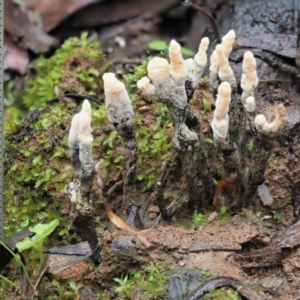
column 80, row 145
column 74, row 131
column 85, row 116
column 196, row 66
column 145, row 86
column 225, row 72
column 118, row 104
column 216, row 64
column 220, row 120
column 168, row 80
column 178, row 66
column 228, row 41
column 249, row 80
column 262, row 125
column 168, row 87
column 250, row 104
column 214, row 67
column 158, row 70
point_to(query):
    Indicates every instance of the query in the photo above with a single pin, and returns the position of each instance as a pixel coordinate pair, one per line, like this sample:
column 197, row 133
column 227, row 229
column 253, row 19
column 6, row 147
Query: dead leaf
column 54, row 12
column 28, row 35
column 15, row 58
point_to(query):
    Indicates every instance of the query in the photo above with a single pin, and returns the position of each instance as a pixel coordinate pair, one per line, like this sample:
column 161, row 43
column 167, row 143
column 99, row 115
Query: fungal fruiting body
column 168, row 86
column 250, row 104
column 196, row 66
column 249, row 80
column 213, row 68
column 225, row 72
column 80, row 145
column 225, row 188
column 178, row 68
column 220, row 120
column 228, row 41
column 118, row 105
column 224, row 51
column 262, row 125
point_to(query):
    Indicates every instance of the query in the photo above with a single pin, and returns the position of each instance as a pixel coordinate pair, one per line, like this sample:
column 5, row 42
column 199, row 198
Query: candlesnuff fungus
column 197, row 64
column 263, row 126
column 227, row 44
column 228, row 41
column 118, row 105
column 249, row 80
column 120, row 113
column 168, row 86
column 80, row 145
column 250, row 104
column 166, row 83
column 225, row 72
column 220, row 120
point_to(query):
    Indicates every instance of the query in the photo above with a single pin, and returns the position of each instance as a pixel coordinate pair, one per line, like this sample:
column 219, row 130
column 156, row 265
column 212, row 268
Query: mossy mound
column 36, row 151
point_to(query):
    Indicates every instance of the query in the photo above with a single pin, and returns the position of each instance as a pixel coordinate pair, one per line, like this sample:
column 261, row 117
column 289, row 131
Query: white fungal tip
column 158, row 69
column 260, row 120
column 174, row 46
column 250, row 104
column 86, row 105
column 204, row 43
column 231, row 34
column 248, row 55
column 143, row 82
column 109, row 76
column 224, row 88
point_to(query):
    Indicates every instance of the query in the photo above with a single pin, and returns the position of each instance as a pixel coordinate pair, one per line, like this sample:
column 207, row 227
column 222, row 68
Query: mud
column 217, row 249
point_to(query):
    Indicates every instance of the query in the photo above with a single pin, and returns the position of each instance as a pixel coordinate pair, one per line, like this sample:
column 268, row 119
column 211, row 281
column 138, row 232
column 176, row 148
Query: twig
column 31, row 293
column 208, row 14
column 122, row 225
column 114, row 187
column 77, row 97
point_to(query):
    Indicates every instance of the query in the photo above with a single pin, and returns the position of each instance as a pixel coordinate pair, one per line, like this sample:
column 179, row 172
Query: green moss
column 149, row 283
column 75, row 67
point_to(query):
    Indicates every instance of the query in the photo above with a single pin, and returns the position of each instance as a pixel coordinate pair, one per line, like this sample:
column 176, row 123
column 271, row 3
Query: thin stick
column 122, row 225
column 208, row 14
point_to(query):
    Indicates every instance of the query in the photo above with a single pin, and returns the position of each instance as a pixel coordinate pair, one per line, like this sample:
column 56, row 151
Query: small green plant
column 205, row 274
column 223, row 211
column 147, row 283
column 249, row 146
column 125, row 286
column 206, row 107
column 225, row 216
column 277, row 216
column 41, row 232
column 287, row 201
column 199, row 219
column 63, row 291
column 75, row 287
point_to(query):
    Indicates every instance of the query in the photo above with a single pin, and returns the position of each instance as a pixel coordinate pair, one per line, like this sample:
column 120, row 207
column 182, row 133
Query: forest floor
column 258, row 244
